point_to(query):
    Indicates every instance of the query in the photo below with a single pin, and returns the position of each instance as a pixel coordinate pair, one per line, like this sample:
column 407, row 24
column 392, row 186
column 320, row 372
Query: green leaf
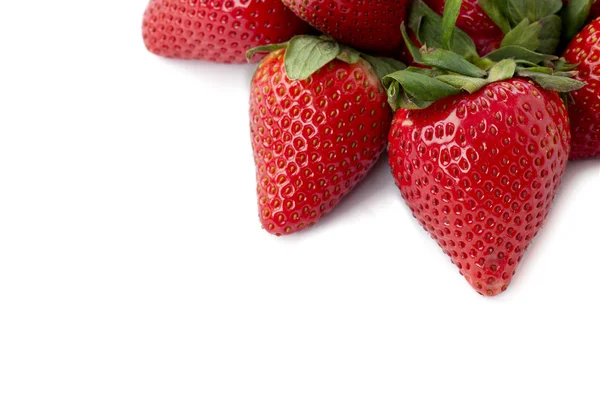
column 544, row 8
column 269, row 48
column 410, row 103
column 525, row 63
column 412, row 48
column 450, row 61
column 559, row 84
column 424, row 71
column 493, row 9
column 384, row 66
column 451, row 11
column 574, row 15
column 525, row 35
column 415, row 88
column 563, row 65
column 415, row 17
column 534, row 10
column 570, row 74
column 517, row 11
column 427, row 25
column 348, row 54
column 393, row 94
column 307, row 54
column 419, row 10
column 430, row 33
column 502, row 6
column 543, row 70
column 465, row 83
column 502, row 71
column 550, row 34
column 421, row 86
column 519, row 53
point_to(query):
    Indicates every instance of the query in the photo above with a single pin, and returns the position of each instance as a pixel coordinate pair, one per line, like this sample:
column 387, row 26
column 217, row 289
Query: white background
column 133, row 266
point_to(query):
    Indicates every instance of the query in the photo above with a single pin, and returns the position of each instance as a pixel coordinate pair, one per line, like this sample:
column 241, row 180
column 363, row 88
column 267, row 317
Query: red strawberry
column 479, row 153
column 369, row 25
column 475, row 23
column 313, row 139
column 584, row 50
column 479, row 171
column 220, row 31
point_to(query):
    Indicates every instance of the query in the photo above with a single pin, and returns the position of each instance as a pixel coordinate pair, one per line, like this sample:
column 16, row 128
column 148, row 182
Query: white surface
column 132, row 264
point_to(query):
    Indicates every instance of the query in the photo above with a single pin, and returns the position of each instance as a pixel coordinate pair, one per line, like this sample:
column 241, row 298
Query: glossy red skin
column 584, row 50
column 369, row 25
column 475, row 23
column 480, row 172
column 313, row 140
column 219, row 31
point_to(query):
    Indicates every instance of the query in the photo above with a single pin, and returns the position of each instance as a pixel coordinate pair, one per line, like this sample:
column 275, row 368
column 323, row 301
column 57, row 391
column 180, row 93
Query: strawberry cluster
column 477, row 110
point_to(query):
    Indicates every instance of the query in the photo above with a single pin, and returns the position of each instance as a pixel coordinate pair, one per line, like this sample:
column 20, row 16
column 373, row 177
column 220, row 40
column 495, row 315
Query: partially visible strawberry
column 368, row 25
column 219, row 31
column 315, row 132
column 486, row 35
column 584, row 50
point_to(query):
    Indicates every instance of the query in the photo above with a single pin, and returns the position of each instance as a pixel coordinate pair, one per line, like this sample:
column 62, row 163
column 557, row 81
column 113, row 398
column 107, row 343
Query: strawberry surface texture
column 219, row 30
column 313, row 139
column 369, row 25
column 584, row 50
column 480, row 171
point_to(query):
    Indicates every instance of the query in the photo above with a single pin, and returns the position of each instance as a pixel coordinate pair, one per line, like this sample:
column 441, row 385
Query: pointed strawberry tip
column 284, row 230
column 492, row 283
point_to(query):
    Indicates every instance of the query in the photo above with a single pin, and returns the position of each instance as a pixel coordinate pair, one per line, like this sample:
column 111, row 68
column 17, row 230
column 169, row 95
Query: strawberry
column 475, row 23
column 480, row 171
column 478, row 153
column 219, row 31
column 369, row 25
column 318, row 125
column 584, row 50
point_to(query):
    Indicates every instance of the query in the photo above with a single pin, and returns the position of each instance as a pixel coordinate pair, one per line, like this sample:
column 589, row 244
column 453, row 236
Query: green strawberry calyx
column 531, row 24
column 306, row 54
column 452, row 68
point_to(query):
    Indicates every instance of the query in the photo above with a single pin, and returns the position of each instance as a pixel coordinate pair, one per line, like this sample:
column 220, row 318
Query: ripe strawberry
column 480, row 171
column 369, row 25
column 219, row 31
column 486, row 35
column 313, row 139
column 584, row 50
